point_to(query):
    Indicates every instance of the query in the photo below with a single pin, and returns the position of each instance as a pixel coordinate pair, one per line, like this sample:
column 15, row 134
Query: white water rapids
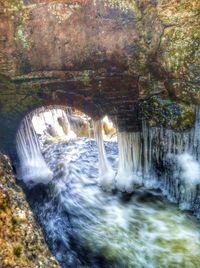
column 87, row 227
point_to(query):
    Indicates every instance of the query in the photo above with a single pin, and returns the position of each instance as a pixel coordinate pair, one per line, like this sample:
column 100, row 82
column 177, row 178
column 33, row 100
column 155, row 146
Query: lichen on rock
column 21, row 239
column 167, row 113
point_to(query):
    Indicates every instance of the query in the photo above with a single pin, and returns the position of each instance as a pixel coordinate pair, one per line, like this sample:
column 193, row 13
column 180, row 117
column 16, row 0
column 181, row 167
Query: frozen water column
column 129, row 166
column 106, row 173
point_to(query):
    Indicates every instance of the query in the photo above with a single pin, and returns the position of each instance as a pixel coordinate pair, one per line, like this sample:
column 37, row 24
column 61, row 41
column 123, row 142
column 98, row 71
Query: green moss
column 3, row 200
column 167, row 113
column 181, row 45
column 15, row 5
column 86, row 77
column 21, row 37
column 17, row 250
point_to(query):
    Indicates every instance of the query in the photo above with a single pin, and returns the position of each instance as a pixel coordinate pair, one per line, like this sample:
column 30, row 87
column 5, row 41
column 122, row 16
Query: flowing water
column 87, row 227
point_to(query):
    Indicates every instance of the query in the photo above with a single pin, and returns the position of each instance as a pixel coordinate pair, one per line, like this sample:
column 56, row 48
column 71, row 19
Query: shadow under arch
column 100, row 96
column 11, row 119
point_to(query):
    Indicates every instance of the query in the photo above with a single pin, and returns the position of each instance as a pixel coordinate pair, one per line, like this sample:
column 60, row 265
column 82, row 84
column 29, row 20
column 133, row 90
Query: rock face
column 167, row 113
column 21, row 240
column 102, row 57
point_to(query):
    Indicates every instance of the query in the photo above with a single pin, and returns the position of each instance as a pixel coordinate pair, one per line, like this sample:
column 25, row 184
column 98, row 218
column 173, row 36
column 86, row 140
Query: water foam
column 87, row 227
column 33, row 168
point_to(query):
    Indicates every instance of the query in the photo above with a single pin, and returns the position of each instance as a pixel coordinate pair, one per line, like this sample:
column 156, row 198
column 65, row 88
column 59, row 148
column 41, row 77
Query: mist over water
column 87, row 227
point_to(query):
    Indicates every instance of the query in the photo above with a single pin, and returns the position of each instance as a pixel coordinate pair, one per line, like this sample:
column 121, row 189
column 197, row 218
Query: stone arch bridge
column 98, row 56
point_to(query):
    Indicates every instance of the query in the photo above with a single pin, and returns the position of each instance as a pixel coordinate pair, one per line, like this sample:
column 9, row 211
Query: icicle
column 106, row 173
column 129, row 167
column 52, row 123
column 146, row 152
column 178, row 154
column 32, row 164
column 54, row 127
column 64, row 123
column 190, row 177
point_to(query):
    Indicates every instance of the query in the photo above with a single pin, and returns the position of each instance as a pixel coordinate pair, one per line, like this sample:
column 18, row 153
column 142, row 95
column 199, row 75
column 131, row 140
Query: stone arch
column 58, row 52
column 105, row 52
column 100, row 95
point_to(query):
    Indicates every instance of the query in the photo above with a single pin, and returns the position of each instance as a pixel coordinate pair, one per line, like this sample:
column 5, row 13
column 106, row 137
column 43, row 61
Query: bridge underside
column 101, row 57
column 96, row 94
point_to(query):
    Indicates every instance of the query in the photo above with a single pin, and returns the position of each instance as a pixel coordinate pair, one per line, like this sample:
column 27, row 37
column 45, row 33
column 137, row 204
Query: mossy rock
column 21, row 238
column 167, row 113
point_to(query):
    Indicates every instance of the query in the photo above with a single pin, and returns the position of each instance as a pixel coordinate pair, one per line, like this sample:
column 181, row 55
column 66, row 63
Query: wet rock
column 167, row 113
column 21, row 239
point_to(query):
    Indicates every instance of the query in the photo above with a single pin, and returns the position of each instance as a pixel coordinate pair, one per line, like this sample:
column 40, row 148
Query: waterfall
column 64, row 123
column 79, row 125
column 106, row 173
column 162, row 158
column 52, row 123
column 44, row 124
column 129, row 168
column 33, row 168
column 174, row 158
column 85, row 227
column 155, row 157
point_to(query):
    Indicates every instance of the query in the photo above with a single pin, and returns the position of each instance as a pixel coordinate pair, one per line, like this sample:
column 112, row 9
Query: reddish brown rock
column 21, row 239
